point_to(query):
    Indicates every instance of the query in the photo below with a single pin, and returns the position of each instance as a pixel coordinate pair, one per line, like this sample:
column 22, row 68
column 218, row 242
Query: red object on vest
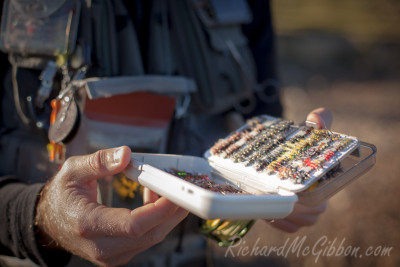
column 138, row 108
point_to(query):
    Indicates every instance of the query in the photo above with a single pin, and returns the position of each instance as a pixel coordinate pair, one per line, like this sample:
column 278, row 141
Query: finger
column 301, row 216
column 305, row 215
column 149, row 196
column 303, row 209
column 121, row 222
column 107, row 250
column 157, row 234
column 285, row 225
column 97, row 165
column 118, row 250
column 322, row 117
column 151, row 215
column 304, row 220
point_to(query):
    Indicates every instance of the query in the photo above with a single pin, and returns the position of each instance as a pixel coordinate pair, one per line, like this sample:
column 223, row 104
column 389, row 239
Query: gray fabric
column 106, row 87
column 130, row 60
column 203, row 54
column 160, row 59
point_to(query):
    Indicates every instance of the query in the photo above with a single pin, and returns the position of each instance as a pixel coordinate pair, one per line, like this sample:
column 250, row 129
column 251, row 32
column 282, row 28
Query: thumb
column 97, row 165
column 322, row 116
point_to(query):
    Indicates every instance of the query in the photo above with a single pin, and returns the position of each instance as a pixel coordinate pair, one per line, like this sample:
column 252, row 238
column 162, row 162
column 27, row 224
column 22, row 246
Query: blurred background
column 343, row 55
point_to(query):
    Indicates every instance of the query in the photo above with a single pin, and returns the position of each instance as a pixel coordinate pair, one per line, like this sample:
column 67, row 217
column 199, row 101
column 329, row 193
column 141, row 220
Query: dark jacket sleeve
column 17, row 232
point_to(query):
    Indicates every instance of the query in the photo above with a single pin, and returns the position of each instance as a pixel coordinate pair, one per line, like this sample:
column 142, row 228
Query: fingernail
column 118, row 155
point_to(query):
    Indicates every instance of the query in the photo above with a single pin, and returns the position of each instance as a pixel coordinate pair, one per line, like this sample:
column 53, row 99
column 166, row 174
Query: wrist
column 42, row 229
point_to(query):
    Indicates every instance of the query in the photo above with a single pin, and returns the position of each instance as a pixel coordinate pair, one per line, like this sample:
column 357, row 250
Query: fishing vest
column 159, row 77
column 195, row 61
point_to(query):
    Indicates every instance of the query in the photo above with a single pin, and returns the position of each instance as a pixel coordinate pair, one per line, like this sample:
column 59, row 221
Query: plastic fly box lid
column 300, row 157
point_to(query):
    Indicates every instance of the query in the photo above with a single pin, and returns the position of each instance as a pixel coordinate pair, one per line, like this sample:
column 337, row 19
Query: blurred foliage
column 361, row 21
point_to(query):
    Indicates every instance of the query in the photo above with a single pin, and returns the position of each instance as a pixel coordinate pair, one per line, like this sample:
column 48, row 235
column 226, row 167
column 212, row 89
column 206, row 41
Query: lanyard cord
column 17, row 100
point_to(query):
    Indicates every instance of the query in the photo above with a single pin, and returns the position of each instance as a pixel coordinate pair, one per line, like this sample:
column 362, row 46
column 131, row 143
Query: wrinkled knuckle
column 95, row 160
column 69, row 169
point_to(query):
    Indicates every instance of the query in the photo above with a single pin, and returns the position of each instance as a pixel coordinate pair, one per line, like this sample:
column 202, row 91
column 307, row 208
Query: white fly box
column 150, row 171
column 270, row 162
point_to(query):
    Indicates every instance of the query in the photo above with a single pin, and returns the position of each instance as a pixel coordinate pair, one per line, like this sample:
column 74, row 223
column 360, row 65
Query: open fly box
column 267, row 165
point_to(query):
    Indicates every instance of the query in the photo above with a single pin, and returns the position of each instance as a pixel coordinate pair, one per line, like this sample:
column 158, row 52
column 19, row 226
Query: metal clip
column 71, row 85
column 46, row 77
column 182, row 105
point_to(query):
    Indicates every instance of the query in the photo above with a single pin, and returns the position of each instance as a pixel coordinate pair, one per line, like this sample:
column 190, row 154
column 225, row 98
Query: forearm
column 18, row 232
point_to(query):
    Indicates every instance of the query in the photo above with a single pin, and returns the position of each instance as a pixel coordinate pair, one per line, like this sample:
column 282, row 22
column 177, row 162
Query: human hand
column 301, row 216
column 322, row 117
column 304, row 215
column 69, row 216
